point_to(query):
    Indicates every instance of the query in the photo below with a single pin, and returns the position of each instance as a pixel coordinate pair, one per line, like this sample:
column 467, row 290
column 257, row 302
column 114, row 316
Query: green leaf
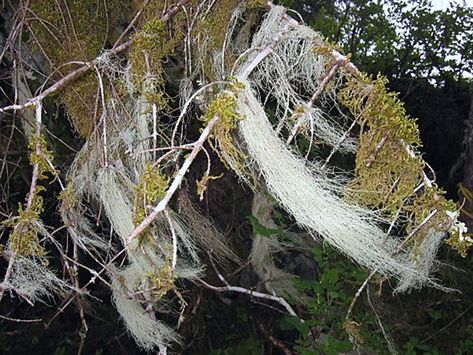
column 259, row 229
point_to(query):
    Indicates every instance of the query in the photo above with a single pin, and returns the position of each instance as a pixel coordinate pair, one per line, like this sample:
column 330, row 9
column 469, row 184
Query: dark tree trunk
column 468, row 170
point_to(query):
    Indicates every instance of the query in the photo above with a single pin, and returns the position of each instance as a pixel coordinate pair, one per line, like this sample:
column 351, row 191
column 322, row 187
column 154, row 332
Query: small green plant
column 325, row 330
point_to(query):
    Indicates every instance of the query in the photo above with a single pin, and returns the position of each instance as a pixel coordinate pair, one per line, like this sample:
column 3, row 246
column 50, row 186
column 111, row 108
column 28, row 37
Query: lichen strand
column 150, row 189
column 66, row 31
column 212, row 29
column 224, row 106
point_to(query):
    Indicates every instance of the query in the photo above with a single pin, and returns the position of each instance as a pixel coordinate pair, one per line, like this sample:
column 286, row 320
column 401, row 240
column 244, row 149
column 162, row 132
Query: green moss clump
column 255, row 4
column 24, row 239
column 152, row 44
column 43, row 159
column 68, row 199
column 150, row 189
column 212, row 30
column 148, row 51
column 225, row 107
column 161, row 281
column 387, row 175
column 66, row 31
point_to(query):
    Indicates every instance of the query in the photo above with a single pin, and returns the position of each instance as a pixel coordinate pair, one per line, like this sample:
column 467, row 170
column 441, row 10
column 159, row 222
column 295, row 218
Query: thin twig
column 18, row 320
column 251, row 293
column 309, row 104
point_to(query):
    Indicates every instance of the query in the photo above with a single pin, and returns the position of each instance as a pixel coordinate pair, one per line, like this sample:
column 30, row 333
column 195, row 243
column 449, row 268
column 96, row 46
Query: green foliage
column 415, row 347
column 259, row 229
column 466, row 345
column 398, row 38
column 331, row 295
column 250, row 346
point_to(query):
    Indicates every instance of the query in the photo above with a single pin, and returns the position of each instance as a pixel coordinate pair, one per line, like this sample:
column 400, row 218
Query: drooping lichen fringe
column 406, row 199
column 350, row 228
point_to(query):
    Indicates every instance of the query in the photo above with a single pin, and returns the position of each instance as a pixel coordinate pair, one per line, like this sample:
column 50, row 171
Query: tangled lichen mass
column 243, row 74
